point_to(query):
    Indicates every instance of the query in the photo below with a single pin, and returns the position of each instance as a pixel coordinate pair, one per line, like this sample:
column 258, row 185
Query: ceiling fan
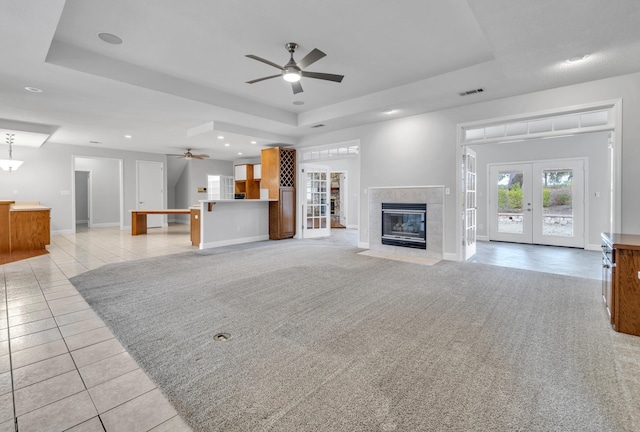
column 188, row 155
column 292, row 71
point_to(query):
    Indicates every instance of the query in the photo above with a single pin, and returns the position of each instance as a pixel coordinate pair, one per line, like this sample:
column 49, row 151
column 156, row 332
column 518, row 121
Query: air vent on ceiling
column 470, row 92
column 317, row 126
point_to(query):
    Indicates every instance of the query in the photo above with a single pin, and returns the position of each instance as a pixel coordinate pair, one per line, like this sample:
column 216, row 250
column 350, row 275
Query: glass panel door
column 510, row 202
column 316, row 208
column 559, row 190
column 470, row 203
column 540, row 202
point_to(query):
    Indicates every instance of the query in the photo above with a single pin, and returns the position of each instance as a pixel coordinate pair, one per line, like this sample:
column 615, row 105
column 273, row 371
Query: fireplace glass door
column 404, row 225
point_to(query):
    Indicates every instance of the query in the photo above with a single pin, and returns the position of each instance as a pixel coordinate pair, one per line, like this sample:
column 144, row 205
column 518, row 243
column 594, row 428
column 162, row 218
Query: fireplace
column 404, row 224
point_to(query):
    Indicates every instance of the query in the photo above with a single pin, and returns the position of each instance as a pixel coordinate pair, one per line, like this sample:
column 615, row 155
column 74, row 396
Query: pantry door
column 539, row 203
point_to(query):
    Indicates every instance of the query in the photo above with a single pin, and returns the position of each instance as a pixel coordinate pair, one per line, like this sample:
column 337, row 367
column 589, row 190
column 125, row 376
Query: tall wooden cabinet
column 621, row 281
column 279, row 177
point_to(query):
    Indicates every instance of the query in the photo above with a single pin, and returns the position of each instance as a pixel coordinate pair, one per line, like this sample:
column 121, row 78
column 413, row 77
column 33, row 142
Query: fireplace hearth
column 404, row 225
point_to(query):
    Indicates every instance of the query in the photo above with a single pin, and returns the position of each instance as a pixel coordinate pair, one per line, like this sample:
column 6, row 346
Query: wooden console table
column 139, row 218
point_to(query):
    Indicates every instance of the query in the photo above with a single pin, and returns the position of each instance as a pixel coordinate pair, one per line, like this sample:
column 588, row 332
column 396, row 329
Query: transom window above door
column 540, row 127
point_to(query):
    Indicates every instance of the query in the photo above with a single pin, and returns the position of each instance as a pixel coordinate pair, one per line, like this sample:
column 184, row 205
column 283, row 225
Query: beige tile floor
column 60, row 366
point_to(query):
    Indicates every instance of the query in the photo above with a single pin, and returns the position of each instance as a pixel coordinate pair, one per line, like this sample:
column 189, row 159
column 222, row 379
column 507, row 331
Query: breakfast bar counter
column 229, row 222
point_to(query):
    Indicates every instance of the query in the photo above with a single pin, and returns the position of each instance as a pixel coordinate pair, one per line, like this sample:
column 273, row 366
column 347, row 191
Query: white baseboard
column 363, row 245
column 180, row 221
column 63, row 232
column 105, row 225
column 210, row 245
column 352, row 226
column 593, row 247
column 482, row 238
column 450, row 256
column 83, row 221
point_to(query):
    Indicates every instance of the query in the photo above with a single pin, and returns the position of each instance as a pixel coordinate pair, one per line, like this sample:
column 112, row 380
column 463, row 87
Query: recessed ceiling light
column 298, row 103
column 110, row 38
column 576, row 59
column 390, row 111
column 239, row 153
column 33, row 89
column 220, row 137
column 127, row 136
column 253, row 142
column 227, row 144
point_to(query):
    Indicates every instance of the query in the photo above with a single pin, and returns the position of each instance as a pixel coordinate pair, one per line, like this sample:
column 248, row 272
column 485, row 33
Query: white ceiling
column 182, row 64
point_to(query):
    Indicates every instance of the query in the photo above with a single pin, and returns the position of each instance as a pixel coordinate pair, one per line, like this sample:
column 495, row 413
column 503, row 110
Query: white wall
column 421, row 150
column 194, row 176
column 47, row 176
column 105, row 189
column 593, row 147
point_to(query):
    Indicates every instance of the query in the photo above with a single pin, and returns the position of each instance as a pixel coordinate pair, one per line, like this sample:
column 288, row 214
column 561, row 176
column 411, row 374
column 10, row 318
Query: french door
column 470, row 202
column 540, row 203
column 315, row 207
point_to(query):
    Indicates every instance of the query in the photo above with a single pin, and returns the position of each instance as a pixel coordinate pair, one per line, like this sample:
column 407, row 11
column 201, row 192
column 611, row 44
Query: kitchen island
column 24, row 230
column 233, row 221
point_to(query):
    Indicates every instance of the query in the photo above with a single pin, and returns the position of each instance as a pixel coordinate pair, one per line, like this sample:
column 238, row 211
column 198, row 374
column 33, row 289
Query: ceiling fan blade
column 260, row 59
column 323, row 76
column 200, row 156
column 176, row 155
column 297, row 87
column 262, row 79
column 310, row 58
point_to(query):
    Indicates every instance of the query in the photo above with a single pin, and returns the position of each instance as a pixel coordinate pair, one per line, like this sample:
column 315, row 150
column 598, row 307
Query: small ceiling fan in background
column 188, row 155
column 292, row 71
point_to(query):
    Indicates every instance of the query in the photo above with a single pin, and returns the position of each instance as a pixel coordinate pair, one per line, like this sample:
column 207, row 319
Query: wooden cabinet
column 195, row 227
column 245, row 183
column 279, row 177
column 30, row 230
column 282, row 215
column 621, row 281
column 5, row 231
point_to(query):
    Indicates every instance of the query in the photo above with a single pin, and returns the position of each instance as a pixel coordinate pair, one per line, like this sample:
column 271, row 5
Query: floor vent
column 220, row 337
column 470, row 92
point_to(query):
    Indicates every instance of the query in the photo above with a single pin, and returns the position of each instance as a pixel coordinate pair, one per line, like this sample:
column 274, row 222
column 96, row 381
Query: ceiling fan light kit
column 292, row 72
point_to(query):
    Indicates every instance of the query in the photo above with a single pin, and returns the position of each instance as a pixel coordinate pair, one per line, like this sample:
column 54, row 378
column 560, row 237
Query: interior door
column 470, row 203
column 150, row 190
column 540, row 203
column 315, row 207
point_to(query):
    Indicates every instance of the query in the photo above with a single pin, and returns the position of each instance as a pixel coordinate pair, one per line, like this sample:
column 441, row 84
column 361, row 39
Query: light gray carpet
column 327, row 340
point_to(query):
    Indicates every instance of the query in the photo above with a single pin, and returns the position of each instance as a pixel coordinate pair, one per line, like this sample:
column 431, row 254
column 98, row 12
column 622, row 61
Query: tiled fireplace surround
column 433, row 196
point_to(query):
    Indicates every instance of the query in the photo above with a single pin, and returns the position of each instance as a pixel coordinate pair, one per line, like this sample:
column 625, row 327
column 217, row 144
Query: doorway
column 83, row 198
column 338, row 200
column 538, row 203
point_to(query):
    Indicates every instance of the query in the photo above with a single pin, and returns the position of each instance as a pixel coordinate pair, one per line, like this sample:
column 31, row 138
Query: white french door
column 540, row 203
column 315, row 207
column 470, row 203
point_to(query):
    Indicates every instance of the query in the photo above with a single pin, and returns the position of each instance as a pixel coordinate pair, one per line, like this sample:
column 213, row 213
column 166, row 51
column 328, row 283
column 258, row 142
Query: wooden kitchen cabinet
column 621, row 281
column 279, row 177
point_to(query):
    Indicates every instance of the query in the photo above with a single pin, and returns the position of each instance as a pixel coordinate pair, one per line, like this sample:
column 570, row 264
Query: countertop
column 622, row 241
